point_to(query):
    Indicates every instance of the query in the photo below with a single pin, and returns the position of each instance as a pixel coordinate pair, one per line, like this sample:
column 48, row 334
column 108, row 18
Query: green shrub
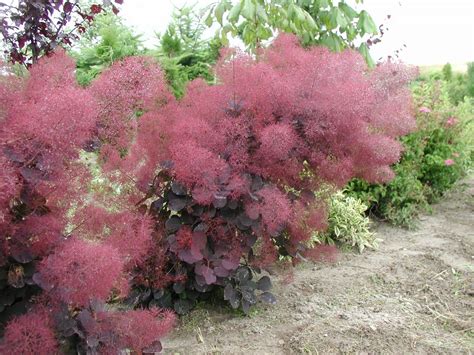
column 348, row 225
column 457, row 88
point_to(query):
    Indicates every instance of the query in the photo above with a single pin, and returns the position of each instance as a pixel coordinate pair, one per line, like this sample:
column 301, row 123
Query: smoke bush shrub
column 216, row 169
column 45, row 120
column 210, row 189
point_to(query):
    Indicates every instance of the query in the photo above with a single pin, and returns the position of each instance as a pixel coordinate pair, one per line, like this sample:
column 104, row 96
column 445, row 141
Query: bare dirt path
column 415, row 294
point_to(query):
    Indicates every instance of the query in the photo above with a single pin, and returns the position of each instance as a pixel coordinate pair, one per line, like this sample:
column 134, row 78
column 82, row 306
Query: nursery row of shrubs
column 435, row 156
column 188, row 198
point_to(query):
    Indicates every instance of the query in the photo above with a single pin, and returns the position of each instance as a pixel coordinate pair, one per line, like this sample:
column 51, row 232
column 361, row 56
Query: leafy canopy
column 336, row 25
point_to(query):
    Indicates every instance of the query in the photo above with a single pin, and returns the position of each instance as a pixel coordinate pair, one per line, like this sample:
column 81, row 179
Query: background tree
column 33, row 28
column 106, row 41
column 470, row 79
column 447, row 72
column 184, row 52
column 335, row 25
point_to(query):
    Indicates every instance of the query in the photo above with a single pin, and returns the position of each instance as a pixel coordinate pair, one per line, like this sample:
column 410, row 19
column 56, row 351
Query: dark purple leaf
column 252, row 212
column 229, row 292
column 199, row 240
column 189, row 257
column 154, row 348
column 178, row 189
column 156, row 206
column 7, row 297
column 84, row 317
column 182, row 306
column 246, row 306
column 219, row 201
column 67, row 7
column 268, row 297
column 206, row 272
column 177, row 204
column 200, row 283
column 257, row 183
column 221, row 272
column 179, row 287
column 231, row 295
column 201, row 227
column 197, row 210
column 233, row 204
column 264, row 284
column 32, row 174
column 248, row 294
column 173, row 224
column 230, row 264
column 23, row 256
column 158, row 293
column 14, row 156
column 39, row 280
column 92, row 341
column 240, row 225
column 243, row 274
column 251, row 239
column 245, row 220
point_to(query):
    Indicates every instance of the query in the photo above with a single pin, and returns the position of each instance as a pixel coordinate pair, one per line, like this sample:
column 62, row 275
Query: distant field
column 459, row 68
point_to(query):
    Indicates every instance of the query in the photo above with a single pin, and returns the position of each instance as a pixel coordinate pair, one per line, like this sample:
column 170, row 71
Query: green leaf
column 249, row 9
column 223, row 38
column 366, row 24
column 340, row 18
column 293, row 27
column 325, row 18
column 332, row 41
column 227, row 28
column 364, row 50
column 351, row 33
column 323, row 3
column 332, row 23
column 309, row 21
column 306, row 39
column 209, row 19
column 263, row 33
column 248, row 36
column 261, row 13
column 348, row 11
column 291, row 11
column 219, row 11
column 299, row 14
column 234, row 13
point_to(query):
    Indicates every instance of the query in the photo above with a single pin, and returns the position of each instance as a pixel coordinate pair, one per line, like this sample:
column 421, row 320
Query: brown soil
column 415, row 294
